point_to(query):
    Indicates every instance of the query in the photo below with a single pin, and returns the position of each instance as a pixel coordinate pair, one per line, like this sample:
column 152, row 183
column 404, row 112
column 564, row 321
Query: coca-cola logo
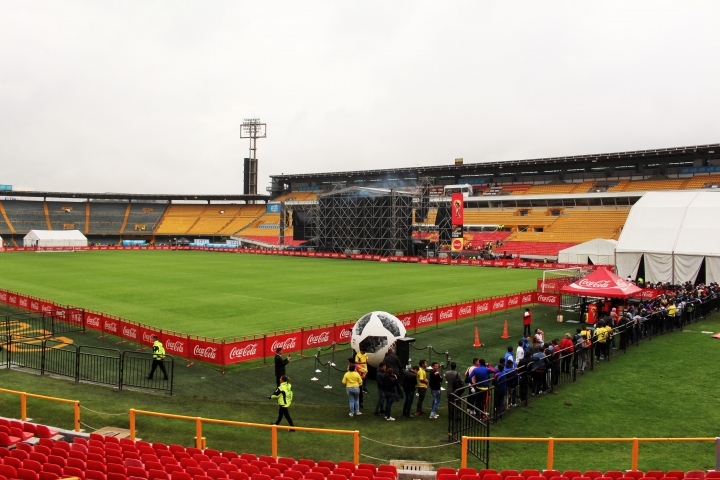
column 522, row 265
column 248, row 350
column 3, row 297
column 93, row 320
column 499, row 304
column 287, row 344
column 483, row 307
column 345, row 333
column 466, row 310
column 447, row 314
column 426, row 317
column 176, row 346
column 547, row 298
column 527, row 298
column 13, row 299
column 514, row 301
column 111, row 326
column 590, row 284
column 130, row 332
column 147, row 337
column 316, row 339
column 406, row 321
column 35, row 305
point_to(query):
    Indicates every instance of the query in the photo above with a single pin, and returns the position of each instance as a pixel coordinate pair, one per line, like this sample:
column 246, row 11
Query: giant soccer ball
column 375, row 333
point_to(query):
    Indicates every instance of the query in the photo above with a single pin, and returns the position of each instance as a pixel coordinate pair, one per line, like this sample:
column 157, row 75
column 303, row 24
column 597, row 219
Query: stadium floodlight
column 253, row 129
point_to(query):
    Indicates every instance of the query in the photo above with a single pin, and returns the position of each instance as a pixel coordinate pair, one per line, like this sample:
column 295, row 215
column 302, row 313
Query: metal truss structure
column 364, row 220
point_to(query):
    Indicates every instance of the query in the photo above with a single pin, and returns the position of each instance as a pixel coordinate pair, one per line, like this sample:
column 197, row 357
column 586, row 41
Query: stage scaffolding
column 364, row 220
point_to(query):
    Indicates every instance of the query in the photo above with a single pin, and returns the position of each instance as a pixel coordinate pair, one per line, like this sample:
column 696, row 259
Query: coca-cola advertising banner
column 342, row 333
column 483, row 306
column 426, row 317
column 648, row 294
column 465, row 310
column 240, row 351
column 290, row 342
column 94, row 320
column 175, row 345
column 527, row 298
column 318, row 337
column 499, row 304
column 212, row 352
column 130, row 331
column 407, row 319
column 3, row 296
column 146, row 335
column 547, row 298
column 447, row 314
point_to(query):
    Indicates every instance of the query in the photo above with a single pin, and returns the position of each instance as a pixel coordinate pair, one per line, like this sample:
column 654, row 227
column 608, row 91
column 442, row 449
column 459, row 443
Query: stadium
column 80, row 319
column 359, row 240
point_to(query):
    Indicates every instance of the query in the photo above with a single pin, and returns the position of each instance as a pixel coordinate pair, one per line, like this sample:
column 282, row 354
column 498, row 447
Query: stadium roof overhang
column 135, row 197
column 679, row 157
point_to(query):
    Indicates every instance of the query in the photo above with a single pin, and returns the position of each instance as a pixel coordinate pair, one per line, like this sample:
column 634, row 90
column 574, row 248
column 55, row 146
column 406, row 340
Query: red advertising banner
column 342, row 332
column 240, row 351
column 547, row 298
column 648, row 294
column 130, row 332
column 408, row 320
column 425, row 318
column 13, row 299
column 483, row 306
column 34, row 305
column 147, row 333
column 93, row 320
column 176, row 345
column 212, row 352
column 289, row 342
column 46, row 306
column 465, row 310
column 318, row 337
column 3, row 296
column 112, row 326
column 513, row 301
column 527, row 298
column 447, row 314
column 457, row 209
column 499, row 304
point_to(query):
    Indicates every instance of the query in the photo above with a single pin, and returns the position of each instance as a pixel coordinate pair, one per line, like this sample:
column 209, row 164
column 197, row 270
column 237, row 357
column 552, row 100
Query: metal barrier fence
column 23, row 405
column 552, row 441
column 474, row 407
column 96, row 365
column 51, row 323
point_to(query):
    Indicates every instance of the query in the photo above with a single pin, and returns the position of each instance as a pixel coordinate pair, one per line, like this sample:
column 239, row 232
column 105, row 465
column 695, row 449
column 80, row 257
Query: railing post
column 132, row 424
column 635, row 451
column 274, row 442
column 23, row 406
column 463, row 452
column 717, row 453
column 77, row 416
column 198, row 433
column 551, row 453
column 356, row 447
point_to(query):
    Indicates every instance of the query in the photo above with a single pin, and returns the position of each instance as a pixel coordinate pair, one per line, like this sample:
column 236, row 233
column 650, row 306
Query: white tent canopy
column 55, row 238
column 599, row 251
column 673, row 232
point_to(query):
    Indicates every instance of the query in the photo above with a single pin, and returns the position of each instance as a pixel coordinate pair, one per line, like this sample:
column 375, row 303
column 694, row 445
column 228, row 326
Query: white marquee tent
column 55, row 238
column 673, row 232
column 599, row 251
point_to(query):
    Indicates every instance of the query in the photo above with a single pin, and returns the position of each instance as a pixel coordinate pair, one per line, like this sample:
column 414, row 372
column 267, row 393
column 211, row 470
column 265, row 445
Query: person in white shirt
column 540, row 336
column 520, row 352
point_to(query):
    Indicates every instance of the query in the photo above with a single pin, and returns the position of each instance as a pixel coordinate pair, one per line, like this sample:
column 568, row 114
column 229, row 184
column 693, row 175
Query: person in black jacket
column 380, row 379
column 390, row 383
column 409, row 383
column 280, row 365
column 393, row 361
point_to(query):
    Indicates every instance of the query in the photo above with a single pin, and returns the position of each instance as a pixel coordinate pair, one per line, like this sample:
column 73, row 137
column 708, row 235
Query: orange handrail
column 23, row 404
column 551, row 444
column 273, row 428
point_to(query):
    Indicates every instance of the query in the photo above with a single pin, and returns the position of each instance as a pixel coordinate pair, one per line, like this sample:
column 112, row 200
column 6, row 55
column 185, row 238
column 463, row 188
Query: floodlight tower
column 251, row 128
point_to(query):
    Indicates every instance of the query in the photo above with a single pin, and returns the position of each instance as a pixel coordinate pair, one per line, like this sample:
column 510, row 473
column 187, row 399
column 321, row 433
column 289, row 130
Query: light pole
column 251, row 128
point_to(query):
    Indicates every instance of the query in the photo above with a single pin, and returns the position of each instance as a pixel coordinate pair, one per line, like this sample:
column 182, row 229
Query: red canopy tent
column 601, row 283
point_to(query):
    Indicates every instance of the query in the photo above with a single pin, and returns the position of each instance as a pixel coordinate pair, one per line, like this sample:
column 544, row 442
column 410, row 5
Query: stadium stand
column 179, row 218
column 534, row 218
column 577, row 226
column 25, row 215
column 147, row 214
column 703, row 181
column 106, row 218
column 66, row 216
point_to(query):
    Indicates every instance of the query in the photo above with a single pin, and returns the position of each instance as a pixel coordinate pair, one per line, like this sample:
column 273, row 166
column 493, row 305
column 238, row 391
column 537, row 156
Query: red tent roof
column 601, row 283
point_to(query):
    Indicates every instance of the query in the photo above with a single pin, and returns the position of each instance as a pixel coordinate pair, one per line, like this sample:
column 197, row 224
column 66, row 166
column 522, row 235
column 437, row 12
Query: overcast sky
column 147, row 97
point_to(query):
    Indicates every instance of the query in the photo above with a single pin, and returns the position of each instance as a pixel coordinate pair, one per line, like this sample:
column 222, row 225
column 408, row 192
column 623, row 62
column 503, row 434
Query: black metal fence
column 52, row 323
column 473, row 407
column 103, row 366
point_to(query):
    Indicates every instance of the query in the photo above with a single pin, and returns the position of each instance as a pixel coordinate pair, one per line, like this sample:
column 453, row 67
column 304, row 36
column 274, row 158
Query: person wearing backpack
column 284, row 396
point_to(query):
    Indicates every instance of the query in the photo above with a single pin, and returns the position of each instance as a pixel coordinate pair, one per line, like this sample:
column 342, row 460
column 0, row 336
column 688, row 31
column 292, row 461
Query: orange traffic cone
column 477, row 339
column 505, row 331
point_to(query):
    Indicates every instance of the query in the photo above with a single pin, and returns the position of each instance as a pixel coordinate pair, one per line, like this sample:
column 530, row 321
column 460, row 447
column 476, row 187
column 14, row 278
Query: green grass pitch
column 225, row 295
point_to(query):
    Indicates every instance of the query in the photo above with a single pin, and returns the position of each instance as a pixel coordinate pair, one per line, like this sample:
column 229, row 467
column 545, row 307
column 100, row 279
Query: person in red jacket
column 566, row 351
column 527, row 322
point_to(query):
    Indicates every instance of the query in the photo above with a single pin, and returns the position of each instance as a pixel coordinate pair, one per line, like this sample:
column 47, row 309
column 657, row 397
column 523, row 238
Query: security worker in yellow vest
column 284, row 396
column 158, row 356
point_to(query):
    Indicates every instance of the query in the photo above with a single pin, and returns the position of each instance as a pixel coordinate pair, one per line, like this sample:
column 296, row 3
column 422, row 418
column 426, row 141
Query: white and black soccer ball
column 375, row 333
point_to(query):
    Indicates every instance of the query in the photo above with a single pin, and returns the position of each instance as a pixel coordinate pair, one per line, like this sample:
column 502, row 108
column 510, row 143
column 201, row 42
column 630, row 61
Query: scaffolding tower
column 364, row 220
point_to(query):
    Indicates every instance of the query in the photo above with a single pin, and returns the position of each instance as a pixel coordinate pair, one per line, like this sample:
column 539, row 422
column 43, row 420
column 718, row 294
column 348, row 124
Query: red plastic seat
column 679, row 474
column 13, row 462
column 259, row 476
column 364, row 472
column 52, row 468
column 154, row 466
column 475, row 477
column 239, row 476
column 305, row 461
column 444, row 476
column 195, row 471
column 332, row 476
column 96, row 465
column 74, row 472
column 116, row 476
column 180, row 476
column 116, row 468
column 19, row 454
column 323, row 470
column 169, row 461
column 248, row 456
column 219, row 460
column 593, row 474
column 572, row 474
column 7, row 471
column 342, row 471
column 392, row 469
column 48, row 476
column 300, row 468
column 272, row 472
column 529, row 473
column 24, row 447
column 504, row 473
column 169, row 469
column 41, row 449
column 94, row 475
column 315, row 476
column 326, row 464
column 559, row 477
column 230, row 455
column 550, row 473
column 695, row 474
column 25, row 474
column 207, row 465
column 7, row 441
column 368, row 466
column 136, row 472
column 157, row 446
column 57, row 460
column 614, row 474
column 158, row 475
column 266, row 458
column 439, row 471
column 188, row 462
column 229, row 467
column 210, row 452
column 637, row 474
column 46, row 432
column 492, row 476
column 296, row 474
column 358, row 477
column 217, row 474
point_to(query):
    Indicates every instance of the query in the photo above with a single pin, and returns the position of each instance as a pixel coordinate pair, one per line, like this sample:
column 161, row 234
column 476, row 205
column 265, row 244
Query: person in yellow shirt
column 353, row 381
column 361, row 365
column 422, row 384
